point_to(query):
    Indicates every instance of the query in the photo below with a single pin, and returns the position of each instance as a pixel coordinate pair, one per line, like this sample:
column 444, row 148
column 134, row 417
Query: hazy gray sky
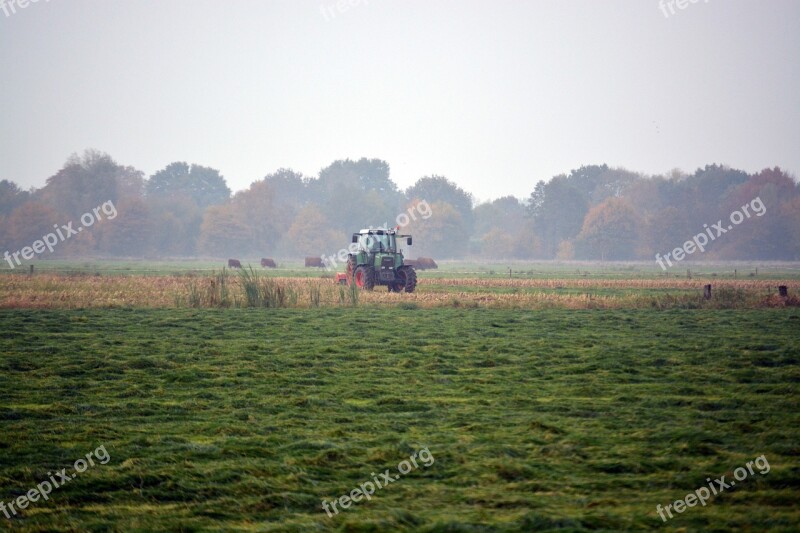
column 495, row 95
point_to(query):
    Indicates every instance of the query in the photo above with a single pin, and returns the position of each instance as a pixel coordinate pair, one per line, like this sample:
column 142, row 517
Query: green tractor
column 376, row 260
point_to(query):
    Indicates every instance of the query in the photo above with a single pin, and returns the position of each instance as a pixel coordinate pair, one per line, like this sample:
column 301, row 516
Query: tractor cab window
column 367, row 243
column 380, row 243
column 376, row 242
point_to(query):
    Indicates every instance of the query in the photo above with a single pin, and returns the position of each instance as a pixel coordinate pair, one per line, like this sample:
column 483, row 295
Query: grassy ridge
column 246, row 419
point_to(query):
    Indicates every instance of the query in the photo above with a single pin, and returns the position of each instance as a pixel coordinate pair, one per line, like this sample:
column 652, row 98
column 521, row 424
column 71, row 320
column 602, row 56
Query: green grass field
column 247, row 419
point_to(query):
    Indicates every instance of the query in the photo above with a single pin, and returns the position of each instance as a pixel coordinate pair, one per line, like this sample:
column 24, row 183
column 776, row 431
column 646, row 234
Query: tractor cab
column 378, row 240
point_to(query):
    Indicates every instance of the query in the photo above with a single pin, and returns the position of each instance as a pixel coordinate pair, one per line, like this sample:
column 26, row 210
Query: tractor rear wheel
column 407, row 278
column 365, row 278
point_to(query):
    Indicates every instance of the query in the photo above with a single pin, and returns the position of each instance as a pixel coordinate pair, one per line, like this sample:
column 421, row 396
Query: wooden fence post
column 707, row 292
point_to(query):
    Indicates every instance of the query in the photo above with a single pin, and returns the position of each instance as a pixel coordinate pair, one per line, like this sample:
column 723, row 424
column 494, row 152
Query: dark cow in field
column 268, row 263
column 425, row 263
column 234, row 263
column 314, row 262
column 430, row 263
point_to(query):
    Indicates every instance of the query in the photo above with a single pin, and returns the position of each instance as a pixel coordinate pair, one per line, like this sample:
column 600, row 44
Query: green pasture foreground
column 245, row 420
column 447, row 269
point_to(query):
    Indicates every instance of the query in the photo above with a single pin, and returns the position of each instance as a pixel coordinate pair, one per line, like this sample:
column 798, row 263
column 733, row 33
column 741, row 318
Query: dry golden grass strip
column 65, row 292
column 667, row 283
column 58, row 291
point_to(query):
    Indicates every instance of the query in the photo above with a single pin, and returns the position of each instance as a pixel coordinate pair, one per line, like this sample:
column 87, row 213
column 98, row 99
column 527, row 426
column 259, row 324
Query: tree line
column 593, row 212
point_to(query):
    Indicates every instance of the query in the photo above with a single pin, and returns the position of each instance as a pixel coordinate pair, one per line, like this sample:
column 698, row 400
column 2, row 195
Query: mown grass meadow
column 245, row 419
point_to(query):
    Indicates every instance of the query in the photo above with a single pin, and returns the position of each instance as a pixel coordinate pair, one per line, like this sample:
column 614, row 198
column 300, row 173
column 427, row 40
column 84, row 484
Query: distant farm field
column 247, row 419
column 109, row 284
column 447, row 268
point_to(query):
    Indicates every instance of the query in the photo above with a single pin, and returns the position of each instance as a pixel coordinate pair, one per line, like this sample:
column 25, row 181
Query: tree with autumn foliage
column 204, row 185
column 88, row 181
column 442, row 235
column 129, row 234
column 223, row 232
column 768, row 235
column 29, row 222
column 505, row 231
column 311, row 235
column 610, row 231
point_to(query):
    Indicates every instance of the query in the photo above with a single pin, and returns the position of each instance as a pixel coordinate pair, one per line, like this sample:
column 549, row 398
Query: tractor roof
column 378, row 231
